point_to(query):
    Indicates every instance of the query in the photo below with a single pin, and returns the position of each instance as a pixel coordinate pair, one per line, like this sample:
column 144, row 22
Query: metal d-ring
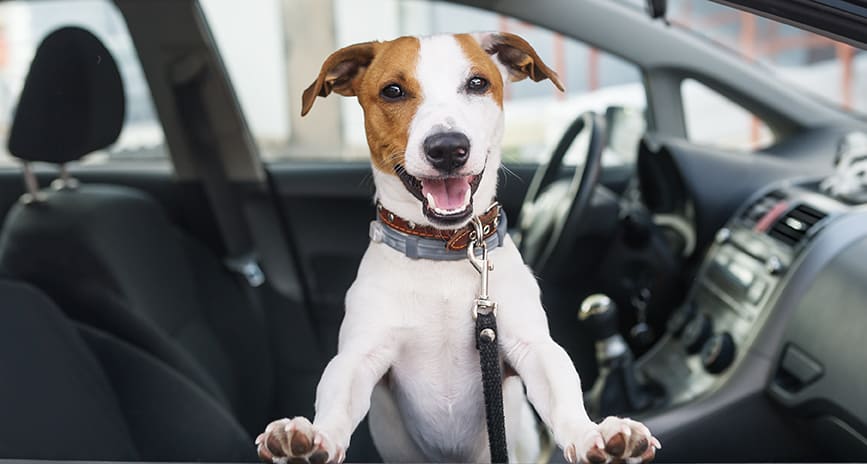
column 479, row 230
column 477, row 240
column 483, row 304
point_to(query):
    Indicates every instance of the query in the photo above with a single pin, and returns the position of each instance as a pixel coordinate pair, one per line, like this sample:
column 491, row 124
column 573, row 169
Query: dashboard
column 775, row 317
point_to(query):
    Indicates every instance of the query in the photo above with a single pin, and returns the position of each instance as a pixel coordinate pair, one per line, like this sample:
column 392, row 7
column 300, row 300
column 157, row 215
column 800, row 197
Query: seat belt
column 241, row 256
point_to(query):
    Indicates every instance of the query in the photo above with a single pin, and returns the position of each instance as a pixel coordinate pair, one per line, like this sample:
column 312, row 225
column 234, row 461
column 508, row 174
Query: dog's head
column 433, row 113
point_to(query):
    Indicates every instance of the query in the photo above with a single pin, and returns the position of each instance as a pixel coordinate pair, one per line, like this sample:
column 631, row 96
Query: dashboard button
column 696, row 333
column 757, row 291
column 774, row 265
column 718, row 353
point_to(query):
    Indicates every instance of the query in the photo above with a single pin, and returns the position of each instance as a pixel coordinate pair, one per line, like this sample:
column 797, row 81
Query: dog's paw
column 614, row 440
column 297, row 440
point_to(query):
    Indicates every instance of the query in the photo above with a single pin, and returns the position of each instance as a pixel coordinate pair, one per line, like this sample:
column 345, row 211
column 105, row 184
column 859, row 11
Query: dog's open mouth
column 445, row 200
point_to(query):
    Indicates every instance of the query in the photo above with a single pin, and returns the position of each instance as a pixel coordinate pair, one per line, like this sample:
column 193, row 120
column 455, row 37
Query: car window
column 820, row 67
column 23, row 25
column 293, row 37
column 712, row 119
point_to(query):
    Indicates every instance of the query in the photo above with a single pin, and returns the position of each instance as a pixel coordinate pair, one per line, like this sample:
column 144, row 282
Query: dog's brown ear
column 340, row 73
column 518, row 57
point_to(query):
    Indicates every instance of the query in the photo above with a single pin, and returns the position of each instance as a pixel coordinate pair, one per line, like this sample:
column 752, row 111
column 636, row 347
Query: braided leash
column 492, row 383
column 485, row 315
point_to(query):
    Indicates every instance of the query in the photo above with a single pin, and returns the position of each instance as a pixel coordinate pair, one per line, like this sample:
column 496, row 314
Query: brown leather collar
column 454, row 239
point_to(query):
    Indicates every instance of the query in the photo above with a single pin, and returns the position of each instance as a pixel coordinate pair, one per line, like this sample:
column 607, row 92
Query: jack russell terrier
column 433, row 114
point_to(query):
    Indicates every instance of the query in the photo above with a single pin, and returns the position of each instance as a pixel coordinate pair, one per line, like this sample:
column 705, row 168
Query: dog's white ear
column 517, row 56
column 340, row 73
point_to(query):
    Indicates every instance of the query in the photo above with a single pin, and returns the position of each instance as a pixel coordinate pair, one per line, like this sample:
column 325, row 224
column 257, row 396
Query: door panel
column 327, row 209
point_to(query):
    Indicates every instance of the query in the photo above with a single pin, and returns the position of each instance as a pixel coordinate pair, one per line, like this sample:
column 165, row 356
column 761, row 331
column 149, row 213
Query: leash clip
column 483, row 304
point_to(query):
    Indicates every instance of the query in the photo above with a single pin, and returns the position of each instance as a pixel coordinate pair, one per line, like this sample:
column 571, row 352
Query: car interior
column 169, row 312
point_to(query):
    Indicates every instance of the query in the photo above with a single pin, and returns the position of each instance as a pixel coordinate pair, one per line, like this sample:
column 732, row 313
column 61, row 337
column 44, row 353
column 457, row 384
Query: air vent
column 758, row 210
column 792, row 227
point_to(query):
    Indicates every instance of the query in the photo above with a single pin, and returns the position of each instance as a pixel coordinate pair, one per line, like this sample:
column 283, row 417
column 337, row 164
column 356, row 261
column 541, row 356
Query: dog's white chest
column 435, row 380
column 440, row 401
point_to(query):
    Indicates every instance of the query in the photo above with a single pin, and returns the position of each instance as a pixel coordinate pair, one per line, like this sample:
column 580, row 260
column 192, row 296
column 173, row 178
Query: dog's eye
column 392, row 92
column 477, row 84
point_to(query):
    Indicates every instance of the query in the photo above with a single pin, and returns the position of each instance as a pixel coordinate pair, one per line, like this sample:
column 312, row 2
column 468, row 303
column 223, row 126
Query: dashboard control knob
column 696, row 333
column 774, row 265
column 677, row 322
column 718, row 353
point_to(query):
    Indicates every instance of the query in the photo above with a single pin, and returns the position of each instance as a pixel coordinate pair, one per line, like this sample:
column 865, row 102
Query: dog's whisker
column 513, row 173
column 389, row 158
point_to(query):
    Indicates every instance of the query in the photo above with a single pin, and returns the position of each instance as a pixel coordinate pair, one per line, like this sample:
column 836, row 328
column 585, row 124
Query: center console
column 736, row 290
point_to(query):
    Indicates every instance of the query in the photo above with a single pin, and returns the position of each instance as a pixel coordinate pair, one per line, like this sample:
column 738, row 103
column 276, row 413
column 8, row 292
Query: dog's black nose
column 447, row 151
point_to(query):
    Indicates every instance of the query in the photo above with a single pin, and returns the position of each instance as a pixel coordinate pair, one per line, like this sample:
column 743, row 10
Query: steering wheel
column 552, row 211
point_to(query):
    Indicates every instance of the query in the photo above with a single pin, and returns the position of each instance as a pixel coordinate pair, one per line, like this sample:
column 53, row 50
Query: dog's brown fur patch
column 483, row 65
column 387, row 123
column 519, row 57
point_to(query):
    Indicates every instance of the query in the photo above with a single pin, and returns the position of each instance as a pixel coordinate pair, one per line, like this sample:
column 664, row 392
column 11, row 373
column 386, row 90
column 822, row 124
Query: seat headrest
column 72, row 103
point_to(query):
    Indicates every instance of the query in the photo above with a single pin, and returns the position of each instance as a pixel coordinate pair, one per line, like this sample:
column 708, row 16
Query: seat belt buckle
column 247, row 266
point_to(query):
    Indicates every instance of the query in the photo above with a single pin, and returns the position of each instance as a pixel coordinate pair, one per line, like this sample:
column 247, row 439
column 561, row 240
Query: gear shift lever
column 617, row 389
column 599, row 315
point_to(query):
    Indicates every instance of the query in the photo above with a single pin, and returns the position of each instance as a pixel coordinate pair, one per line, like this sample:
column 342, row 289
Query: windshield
column 831, row 70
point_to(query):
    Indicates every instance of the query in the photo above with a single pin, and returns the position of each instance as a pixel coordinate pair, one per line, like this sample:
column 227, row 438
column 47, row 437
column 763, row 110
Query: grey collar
column 415, row 247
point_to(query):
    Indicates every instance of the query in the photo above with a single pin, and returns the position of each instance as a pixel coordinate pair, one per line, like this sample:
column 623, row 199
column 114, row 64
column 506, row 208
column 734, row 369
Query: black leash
column 492, row 383
column 485, row 315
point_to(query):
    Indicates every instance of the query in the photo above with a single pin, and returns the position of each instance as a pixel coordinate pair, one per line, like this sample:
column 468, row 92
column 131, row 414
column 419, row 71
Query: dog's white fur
column 407, row 339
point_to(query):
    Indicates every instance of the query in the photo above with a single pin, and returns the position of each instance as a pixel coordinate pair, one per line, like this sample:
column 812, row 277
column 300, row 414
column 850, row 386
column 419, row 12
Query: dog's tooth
column 467, row 196
column 431, row 202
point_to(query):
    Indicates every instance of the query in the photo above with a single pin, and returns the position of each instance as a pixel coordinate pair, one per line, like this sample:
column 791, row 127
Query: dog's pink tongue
column 448, row 194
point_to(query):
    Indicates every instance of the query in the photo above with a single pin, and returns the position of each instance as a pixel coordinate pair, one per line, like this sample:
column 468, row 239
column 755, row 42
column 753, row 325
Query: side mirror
column 656, row 8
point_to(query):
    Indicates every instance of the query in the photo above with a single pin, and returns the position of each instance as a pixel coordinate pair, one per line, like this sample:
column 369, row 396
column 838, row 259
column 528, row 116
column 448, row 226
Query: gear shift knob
column 599, row 314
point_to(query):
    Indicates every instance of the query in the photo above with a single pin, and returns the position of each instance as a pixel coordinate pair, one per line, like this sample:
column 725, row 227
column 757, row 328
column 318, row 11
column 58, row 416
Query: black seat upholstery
column 110, row 257
column 85, row 395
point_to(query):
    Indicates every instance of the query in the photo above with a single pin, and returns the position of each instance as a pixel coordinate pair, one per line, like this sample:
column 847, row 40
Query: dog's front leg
column 342, row 400
column 554, row 389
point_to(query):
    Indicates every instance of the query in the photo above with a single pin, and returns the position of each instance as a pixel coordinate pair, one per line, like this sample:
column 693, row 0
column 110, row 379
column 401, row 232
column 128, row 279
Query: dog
column 433, row 116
